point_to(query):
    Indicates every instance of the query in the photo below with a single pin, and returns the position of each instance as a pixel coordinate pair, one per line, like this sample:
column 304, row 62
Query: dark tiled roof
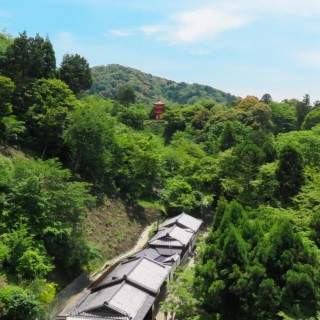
column 172, row 237
column 118, row 301
column 168, row 251
column 184, row 220
column 144, row 272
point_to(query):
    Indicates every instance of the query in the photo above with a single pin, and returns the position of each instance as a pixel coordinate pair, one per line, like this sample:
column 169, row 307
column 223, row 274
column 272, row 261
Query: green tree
column 75, row 72
column 266, row 98
column 34, row 264
column 283, row 116
column 290, row 173
column 302, row 109
column 18, row 304
column 133, row 117
column 90, row 138
column 139, row 170
column 180, row 295
column 10, row 127
column 299, row 296
column 126, row 95
column 46, row 114
column 228, row 137
column 29, row 57
column 265, row 185
column 311, row 119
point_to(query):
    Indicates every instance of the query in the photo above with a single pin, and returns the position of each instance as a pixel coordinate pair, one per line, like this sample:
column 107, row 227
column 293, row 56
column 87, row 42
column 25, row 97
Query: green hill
column 148, row 88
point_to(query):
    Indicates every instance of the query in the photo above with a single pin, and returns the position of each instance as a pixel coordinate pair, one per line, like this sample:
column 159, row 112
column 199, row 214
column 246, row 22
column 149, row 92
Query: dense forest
column 249, row 166
column 109, row 80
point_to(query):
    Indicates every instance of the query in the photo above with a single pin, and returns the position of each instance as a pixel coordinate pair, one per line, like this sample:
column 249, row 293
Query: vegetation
column 73, row 164
column 112, row 80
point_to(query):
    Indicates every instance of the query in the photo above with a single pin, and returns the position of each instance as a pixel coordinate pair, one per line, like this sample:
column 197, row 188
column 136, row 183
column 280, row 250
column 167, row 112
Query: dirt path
column 73, row 301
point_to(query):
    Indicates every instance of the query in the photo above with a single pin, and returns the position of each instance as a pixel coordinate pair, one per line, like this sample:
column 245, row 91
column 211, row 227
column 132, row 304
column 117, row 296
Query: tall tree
column 90, row 138
column 228, row 137
column 266, row 98
column 75, row 72
column 126, row 95
column 290, row 173
column 29, row 57
column 17, row 59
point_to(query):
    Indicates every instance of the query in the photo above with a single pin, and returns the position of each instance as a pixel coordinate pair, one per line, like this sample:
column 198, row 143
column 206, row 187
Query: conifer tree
column 290, row 173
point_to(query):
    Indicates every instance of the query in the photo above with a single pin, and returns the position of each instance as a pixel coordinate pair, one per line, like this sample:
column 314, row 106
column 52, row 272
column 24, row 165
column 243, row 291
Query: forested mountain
column 107, row 80
column 250, row 168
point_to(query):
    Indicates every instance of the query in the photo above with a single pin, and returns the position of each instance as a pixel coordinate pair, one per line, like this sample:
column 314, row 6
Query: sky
column 244, row 47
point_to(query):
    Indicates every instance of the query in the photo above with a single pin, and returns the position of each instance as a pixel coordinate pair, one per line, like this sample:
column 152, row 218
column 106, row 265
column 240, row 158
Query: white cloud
column 197, row 25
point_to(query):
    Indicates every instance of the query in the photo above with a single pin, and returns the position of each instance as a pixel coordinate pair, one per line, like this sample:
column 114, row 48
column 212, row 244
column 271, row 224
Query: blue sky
column 245, row 47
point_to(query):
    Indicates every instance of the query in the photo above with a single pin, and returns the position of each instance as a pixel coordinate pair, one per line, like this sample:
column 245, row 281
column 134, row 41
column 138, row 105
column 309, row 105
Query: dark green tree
column 90, row 138
column 75, row 72
column 17, row 304
column 266, row 98
column 290, row 173
column 302, row 109
column 126, row 95
column 29, row 57
column 228, row 137
column 17, row 59
column 306, row 100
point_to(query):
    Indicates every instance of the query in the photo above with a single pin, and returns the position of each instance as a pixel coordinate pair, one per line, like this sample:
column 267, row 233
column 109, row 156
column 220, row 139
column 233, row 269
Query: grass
column 115, row 226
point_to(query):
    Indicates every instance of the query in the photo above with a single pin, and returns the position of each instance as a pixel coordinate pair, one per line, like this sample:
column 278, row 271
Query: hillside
column 148, row 88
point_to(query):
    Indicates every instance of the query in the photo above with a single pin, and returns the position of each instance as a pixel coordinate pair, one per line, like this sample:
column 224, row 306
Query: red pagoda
column 159, row 109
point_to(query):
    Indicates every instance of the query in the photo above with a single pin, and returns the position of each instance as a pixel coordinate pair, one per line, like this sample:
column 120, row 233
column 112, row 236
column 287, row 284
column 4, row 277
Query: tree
column 18, row 304
column 290, row 173
column 228, row 137
column 283, row 116
column 34, row 264
column 126, row 95
column 17, row 58
column 47, row 104
column 266, row 98
column 302, row 109
column 306, row 100
column 139, row 170
column 316, row 103
column 29, row 57
column 311, row 119
column 90, row 137
column 180, row 295
column 133, row 117
column 75, row 72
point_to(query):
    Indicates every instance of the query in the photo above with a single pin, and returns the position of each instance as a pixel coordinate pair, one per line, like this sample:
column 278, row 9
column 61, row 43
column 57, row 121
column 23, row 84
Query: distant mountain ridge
column 149, row 88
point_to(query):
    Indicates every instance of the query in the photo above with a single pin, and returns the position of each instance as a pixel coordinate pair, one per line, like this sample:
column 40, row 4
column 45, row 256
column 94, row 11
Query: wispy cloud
column 197, row 25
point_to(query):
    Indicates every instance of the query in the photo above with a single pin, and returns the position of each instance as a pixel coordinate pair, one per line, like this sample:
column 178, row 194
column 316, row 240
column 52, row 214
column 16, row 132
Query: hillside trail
column 74, row 300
